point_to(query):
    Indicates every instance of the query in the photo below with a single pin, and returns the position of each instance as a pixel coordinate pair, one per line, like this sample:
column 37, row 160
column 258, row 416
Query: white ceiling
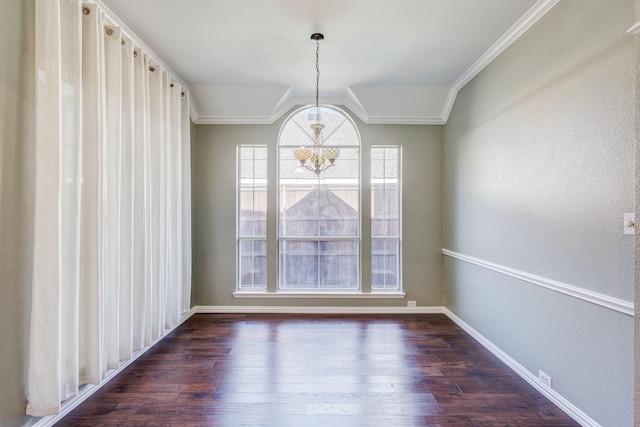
column 402, row 61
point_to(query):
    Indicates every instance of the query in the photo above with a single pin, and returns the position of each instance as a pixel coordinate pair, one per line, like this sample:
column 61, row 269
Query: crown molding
column 448, row 104
column 404, row 120
column 287, row 103
column 354, row 105
column 531, row 17
column 359, row 109
column 233, row 120
column 284, row 106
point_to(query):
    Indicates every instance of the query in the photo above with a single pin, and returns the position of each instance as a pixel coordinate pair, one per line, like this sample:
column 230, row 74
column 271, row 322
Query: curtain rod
column 86, row 10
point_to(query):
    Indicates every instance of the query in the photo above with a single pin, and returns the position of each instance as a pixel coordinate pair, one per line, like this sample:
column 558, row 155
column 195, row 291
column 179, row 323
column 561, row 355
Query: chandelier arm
column 319, row 168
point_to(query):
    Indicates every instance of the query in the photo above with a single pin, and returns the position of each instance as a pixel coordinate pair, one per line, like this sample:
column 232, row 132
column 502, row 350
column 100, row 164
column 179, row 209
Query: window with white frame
column 252, row 217
column 385, row 218
column 318, row 221
column 319, row 213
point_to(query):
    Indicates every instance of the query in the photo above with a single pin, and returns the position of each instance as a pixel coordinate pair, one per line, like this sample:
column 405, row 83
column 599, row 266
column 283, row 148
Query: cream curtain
column 112, row 239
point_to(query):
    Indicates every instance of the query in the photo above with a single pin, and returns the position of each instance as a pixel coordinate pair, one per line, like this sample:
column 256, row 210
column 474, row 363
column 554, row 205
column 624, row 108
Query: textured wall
column 16, row 202
column 214, row 225
column 637, row 241
column 539, row 169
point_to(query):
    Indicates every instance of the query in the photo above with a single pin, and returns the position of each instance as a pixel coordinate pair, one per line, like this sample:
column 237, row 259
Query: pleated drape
column 112, row 232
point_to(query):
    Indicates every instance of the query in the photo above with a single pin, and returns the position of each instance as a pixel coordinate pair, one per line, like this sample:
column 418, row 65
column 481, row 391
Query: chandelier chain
column 317, row 73
column 319, row 158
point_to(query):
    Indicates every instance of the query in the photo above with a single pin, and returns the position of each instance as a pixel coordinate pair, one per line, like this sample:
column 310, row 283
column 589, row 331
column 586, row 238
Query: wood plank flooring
column 317, row 370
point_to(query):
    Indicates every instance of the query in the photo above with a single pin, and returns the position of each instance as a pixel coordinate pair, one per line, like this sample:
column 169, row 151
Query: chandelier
column 317, row 158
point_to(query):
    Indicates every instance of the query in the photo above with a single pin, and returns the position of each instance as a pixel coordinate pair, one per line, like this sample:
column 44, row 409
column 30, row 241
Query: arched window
column 319, row 212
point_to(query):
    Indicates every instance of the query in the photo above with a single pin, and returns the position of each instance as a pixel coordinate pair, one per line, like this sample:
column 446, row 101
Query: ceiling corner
column 399, row 104
column 239, row 104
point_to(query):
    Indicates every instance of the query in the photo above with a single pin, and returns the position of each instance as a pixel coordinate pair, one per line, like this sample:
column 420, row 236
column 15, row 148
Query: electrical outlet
column 629, row 226
column 546, row 379
column 411, row 303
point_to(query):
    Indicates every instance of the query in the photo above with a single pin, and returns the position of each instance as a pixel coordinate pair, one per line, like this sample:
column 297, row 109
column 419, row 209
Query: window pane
column 385, row 196
column 384, row 162
column 384, row 264
column 253, row 212
column 339, row 265
column 252, row 197
column 320, row 211
column 253, row 264
column 298, row 264
column 318, row 264
column 252, row 216
column 338, row 129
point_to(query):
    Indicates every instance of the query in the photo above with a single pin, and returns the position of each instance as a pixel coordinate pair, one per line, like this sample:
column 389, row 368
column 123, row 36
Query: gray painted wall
column 636, row 380
column 538, row 171
column 215, row 198
column 16, row 202
column 537, row 157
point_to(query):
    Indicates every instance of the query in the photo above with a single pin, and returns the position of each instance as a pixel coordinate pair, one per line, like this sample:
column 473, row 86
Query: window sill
column 319, row 295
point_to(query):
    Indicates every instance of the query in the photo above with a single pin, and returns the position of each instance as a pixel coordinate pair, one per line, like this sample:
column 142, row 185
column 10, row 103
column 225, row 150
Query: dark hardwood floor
column 325, row 370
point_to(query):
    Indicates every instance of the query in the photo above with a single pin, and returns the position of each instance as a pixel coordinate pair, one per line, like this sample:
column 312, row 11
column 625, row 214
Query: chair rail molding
column 597, row 298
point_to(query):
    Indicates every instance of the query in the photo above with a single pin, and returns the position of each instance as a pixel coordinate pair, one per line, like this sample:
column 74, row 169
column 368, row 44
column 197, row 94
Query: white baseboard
column 566, row 406
column 317, row 309
column 562, row 403
column 90, row 389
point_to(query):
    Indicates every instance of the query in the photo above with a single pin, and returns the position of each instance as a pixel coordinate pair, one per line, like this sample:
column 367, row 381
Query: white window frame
column 398, row 238
column 252, row 238
column 317, row 180
column 273, row 240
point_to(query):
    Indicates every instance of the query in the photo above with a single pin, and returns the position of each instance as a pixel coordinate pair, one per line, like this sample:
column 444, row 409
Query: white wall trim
column 317, row 309
column 290, row 103
column 90, row 389
column 531, row 17
column 555, row 397
column 535, row 13
column 551, row 394
column 566, row 406
column 351, row 101
column 602, row 300
column 404, row 120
